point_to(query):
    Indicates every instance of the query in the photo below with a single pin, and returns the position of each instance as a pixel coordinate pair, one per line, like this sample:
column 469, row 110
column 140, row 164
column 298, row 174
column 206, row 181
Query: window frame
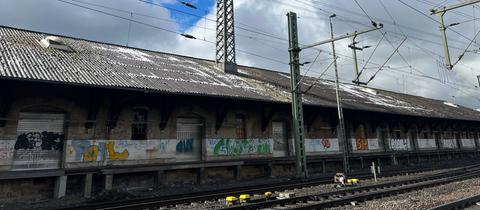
column 139, row 124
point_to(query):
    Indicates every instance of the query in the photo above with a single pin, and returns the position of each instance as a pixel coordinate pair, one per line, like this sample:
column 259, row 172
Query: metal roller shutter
column 39, row 142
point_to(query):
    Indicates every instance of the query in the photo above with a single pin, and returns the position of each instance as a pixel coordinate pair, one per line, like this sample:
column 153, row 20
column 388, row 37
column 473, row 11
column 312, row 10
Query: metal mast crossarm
column 441, row 12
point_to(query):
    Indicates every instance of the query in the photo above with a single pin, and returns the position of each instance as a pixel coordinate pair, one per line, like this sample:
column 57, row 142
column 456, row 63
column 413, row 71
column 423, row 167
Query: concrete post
column 200, row 175
column 159, row 179
column 394, row 160
column 324, row 170
column 60, row 186
column 87, row 185
column 108, row 182
column 268, row 170
column 237, row 172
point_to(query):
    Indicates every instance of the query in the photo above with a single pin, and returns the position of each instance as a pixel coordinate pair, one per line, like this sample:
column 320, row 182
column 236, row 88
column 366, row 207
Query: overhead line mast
column 225, row 54
column 297, row 104
column 441, row 12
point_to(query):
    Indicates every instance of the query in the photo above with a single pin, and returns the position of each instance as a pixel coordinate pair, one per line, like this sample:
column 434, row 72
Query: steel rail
column 458, row 204
column 330, row 199
column 168, row 200
column 387, row 192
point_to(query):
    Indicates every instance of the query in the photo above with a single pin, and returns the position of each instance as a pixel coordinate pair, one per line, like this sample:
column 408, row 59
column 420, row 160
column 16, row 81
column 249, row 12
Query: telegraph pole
column 341, row 129
column 297, row 107
column 441, row 12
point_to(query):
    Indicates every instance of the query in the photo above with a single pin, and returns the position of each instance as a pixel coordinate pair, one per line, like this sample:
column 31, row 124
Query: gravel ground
column 422, row 199
column 210, row 205
column 69, row 201
column 114, row 195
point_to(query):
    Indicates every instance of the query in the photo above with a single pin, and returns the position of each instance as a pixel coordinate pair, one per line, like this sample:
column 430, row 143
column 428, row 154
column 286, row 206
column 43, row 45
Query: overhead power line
column 430, row 18
column 167, row 30
column 241, row 51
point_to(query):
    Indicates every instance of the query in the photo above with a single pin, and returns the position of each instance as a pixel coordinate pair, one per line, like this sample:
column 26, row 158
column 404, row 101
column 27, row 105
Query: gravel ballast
column 422, row 199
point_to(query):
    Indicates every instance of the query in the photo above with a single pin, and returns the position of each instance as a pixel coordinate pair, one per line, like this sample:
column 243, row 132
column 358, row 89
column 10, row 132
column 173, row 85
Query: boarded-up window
column 139, row 124
column 240, row 126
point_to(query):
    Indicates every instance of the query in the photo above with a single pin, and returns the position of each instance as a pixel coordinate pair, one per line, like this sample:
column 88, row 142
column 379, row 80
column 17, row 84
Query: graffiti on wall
column 112, row 152
column 426, row 143
column 6, row 151
column 362, row 144
column 468, row 143
column 322, row 145
column 399, row 144
column 38, row 150
column 449, row 143
column 85, row 150
column 238, row 147
column 185, row 146
column 39, row 141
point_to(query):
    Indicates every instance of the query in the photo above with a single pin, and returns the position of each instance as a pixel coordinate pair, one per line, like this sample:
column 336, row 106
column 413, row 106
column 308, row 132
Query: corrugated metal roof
column 105, row 65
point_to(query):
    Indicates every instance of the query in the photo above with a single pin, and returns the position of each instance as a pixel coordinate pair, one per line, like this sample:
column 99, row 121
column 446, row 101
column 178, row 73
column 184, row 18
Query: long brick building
column 80, row 113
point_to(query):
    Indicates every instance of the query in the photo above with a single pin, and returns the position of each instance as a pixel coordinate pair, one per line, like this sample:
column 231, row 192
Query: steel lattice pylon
column 225, row 55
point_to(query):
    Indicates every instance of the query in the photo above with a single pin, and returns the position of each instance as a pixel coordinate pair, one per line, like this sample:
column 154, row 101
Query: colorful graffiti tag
column 99, row 150
column 185, row 146
column 362, row 144
column 112, row 152
column 238, row 147
column 322, row 145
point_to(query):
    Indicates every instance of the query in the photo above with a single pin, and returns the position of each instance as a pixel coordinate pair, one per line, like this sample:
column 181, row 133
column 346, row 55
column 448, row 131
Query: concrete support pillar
column 87, row 185
column 108, row 182
column 200, row 175
column 324, row 169
column 268, row 170
column 60, row 186
column 237, row 172
column 159, row 179
column 394, row 160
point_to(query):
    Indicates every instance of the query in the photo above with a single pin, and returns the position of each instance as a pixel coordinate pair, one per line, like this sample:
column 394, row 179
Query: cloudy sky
column 261, row 33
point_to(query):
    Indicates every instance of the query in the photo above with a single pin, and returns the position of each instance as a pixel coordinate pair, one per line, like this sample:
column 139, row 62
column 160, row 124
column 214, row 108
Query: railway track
column 171, row 200
column 458, row 204
column 358, row 194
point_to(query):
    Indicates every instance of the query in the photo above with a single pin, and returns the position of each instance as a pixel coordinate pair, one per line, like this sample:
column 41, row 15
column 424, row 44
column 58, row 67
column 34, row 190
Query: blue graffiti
column 185, row 146
column 80, row 146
